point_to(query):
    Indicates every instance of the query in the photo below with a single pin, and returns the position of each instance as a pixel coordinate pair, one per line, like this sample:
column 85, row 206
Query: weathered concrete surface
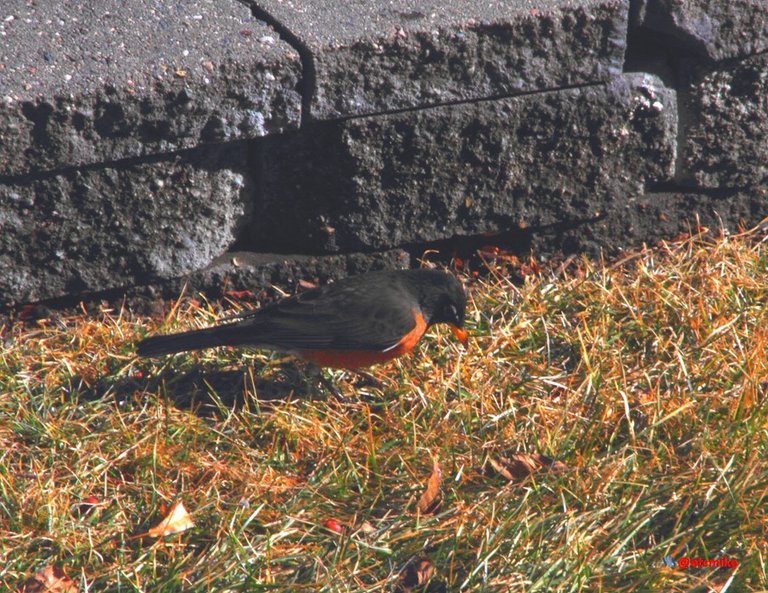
column 91, row 230
column 657, row 216
column 388, row 181
column 433, row 124
column 726, row 136
column 715, row 29
column 246, row 270
column 86, row 82
column 373, row 57
column 732, row 211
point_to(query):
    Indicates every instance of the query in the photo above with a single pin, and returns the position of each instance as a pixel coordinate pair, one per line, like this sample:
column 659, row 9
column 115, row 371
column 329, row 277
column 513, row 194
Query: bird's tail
column 195, row 339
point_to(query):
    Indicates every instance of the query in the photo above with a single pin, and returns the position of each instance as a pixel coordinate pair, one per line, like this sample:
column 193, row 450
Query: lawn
column 606, row 425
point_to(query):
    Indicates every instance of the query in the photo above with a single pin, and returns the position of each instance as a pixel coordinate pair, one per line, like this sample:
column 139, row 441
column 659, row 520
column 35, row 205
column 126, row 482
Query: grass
column 646, row 378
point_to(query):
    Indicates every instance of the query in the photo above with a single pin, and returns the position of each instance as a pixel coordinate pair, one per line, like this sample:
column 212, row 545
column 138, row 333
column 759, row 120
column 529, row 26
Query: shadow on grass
column 210, row 392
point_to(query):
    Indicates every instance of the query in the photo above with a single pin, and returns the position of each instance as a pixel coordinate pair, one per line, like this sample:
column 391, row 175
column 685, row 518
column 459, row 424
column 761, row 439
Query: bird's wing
column 332, row 320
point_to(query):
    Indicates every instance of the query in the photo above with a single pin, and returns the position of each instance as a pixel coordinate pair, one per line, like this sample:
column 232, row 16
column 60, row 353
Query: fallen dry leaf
column 416, row 574
column 429, row 501
column 86, row 506
column 49, row 580
column 367, row 528
column 521, row 465
column 239, row 294
column 178, row 520
column 307, row 285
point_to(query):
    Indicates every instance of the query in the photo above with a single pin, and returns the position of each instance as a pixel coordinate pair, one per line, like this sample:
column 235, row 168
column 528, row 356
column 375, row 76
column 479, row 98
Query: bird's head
column 444, row 301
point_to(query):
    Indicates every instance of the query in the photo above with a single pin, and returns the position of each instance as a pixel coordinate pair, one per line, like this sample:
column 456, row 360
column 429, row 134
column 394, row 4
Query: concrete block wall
column 232, row 144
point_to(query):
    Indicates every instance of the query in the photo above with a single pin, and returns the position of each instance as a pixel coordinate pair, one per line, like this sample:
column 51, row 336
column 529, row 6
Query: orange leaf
column 178, row 520
column 49, row 580
column 428, row 503
column 521, row 465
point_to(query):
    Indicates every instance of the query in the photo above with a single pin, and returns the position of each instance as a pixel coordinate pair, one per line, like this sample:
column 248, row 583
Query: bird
column 352, row 323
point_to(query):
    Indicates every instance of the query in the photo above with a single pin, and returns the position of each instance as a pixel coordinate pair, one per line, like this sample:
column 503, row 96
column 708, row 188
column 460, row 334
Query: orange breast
column 355, row 359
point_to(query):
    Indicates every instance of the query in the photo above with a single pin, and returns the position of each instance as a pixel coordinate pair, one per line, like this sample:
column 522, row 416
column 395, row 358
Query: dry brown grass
column 646, row 378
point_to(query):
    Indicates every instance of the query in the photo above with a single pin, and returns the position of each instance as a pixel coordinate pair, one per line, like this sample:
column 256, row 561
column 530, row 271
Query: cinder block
column 726, row 132
column 92, row 230
column 89, row 82
column 386, row 181
column 714, row 29
column 375, row 57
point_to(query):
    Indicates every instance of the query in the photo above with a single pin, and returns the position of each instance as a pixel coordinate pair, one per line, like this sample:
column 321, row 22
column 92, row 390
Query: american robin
column 353, row 323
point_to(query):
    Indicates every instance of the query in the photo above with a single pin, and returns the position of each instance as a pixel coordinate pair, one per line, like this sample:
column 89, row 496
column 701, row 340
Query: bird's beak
column 461, row 334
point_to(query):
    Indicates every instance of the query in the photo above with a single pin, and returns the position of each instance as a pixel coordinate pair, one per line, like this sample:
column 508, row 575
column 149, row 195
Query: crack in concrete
column 308, row 82
column 128, row 162
column 727, row 63
column 457, row 102
column 124, row 163
column 517, row 241
column 675, row 187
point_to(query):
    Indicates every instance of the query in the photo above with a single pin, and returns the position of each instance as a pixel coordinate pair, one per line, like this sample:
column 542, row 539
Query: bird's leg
column 369, row 379
column 317, row 373
column 328, row 384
